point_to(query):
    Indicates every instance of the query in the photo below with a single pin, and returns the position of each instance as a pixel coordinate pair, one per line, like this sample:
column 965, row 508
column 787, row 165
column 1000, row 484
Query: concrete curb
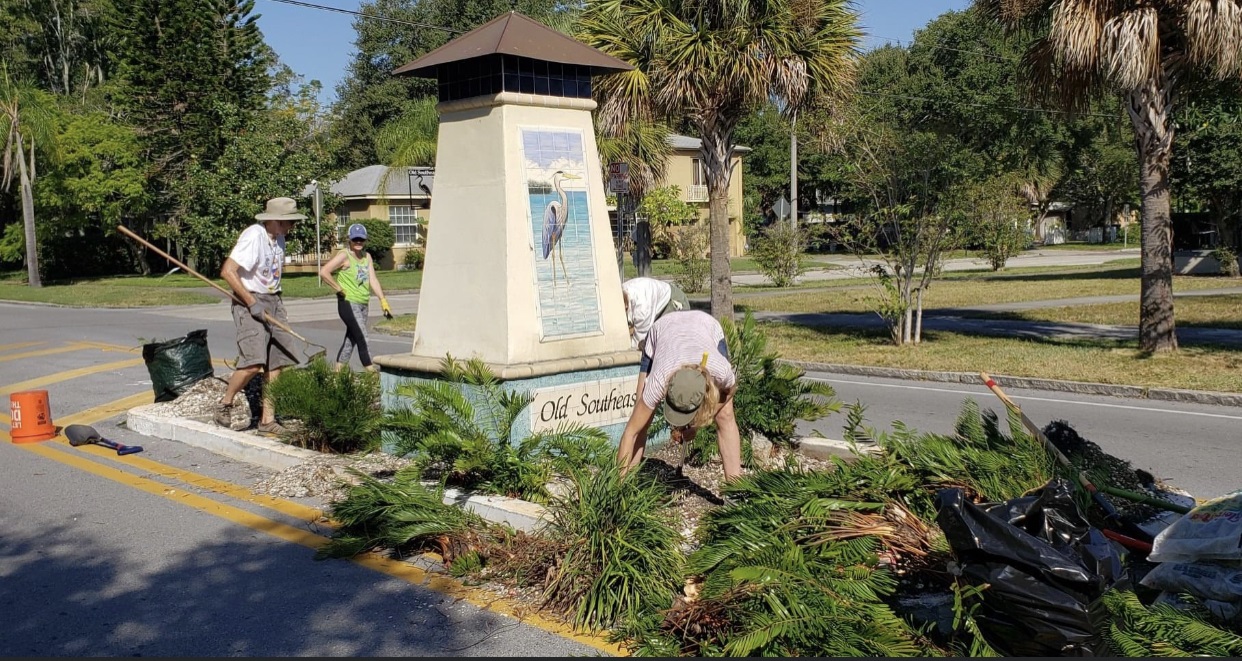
column 240, row 445
column 271, row 453
column 1080, row 387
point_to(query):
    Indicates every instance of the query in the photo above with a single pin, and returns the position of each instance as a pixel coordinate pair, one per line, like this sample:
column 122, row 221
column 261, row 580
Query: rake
column 307, row 354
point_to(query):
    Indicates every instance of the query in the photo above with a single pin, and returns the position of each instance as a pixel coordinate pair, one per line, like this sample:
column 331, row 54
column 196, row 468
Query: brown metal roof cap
column 514, row 34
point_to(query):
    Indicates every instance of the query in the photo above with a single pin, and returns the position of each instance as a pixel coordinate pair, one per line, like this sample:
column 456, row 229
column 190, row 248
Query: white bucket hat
column 281, row 208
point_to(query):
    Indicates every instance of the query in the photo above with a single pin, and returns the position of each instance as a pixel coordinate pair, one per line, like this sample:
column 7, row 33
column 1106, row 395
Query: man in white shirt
column 253, row 271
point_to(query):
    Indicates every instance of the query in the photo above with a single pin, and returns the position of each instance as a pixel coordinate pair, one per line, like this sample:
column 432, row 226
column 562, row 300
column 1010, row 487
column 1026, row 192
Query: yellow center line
column 67, row 375
column 398, row 569
column 72, row 346
column 105, row 411
column 19, row 345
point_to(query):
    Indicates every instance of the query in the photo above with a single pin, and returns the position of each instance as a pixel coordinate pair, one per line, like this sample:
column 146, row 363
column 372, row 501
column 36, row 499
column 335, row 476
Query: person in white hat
column 253, row 271
column 354, row 281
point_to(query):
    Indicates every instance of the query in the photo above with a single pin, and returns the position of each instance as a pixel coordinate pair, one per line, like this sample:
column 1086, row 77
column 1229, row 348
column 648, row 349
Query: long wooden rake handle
column 270, row 319
column 1097, row 493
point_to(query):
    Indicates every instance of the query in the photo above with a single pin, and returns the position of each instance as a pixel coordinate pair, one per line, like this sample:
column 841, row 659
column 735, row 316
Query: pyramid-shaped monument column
column 520, row 268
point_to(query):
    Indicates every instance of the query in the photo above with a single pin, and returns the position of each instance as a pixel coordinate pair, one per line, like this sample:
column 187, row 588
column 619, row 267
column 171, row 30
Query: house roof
column 514, row 34
column 365, row 183
column 685, row 142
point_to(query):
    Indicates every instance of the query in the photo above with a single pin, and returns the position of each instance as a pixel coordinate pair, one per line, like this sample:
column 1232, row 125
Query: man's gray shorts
column 259, row 344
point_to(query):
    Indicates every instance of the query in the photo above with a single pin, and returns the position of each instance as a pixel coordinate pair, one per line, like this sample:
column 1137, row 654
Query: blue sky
column 319, row 44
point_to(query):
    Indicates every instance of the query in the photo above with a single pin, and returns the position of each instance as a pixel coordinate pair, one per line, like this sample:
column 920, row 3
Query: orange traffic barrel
column 32, row 417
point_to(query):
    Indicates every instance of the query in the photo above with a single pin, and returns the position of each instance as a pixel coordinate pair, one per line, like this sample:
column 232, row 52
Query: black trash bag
column 1044, row 565
column 177, row 364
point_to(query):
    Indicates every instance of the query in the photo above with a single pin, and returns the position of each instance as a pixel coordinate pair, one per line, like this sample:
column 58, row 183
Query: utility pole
column 317, row 202
column 793, row 170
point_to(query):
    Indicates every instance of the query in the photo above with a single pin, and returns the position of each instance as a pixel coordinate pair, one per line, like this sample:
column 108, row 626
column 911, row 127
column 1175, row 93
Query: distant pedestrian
column 646, row 300
column 253, row 270
column 685, row 370
column 354, row 283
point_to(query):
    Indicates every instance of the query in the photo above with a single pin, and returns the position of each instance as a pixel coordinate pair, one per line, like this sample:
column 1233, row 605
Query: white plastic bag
column 1210, row 532
column 1201, row 579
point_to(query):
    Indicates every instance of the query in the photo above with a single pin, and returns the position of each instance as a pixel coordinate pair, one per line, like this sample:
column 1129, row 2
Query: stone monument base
column 595, row 391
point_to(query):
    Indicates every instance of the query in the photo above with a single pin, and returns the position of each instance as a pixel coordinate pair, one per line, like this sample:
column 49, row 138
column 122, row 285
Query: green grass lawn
column 398, row 325
column 1198, row 311
column 669, row 267
column 1195, row 368
column 957, row 290
column 127, row 291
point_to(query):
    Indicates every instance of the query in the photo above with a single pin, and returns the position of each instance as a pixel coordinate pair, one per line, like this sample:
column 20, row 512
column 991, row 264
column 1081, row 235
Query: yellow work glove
column 384, row 306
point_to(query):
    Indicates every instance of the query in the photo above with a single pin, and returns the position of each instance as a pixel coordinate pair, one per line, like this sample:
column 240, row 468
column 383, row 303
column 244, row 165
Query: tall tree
column 185, row 63
column 65, row 45
column 712, row 63
column 1145, row 51
column 189, row 69
column 27, row 119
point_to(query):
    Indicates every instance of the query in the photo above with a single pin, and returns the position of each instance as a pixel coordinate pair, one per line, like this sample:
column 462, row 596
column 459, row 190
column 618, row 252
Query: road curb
column 273, row 454
column 239, row 445
column 1079, row 387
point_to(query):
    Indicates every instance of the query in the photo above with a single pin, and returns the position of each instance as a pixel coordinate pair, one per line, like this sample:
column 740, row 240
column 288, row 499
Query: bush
column 339, row 411
column 1228, row 260
column 688, row 247
column 460, row 429
column 778, row 252
column 622, row 556
column 413, row 260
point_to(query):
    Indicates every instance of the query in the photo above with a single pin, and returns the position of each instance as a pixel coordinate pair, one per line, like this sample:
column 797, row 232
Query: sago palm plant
column 401, row 514
column 622, row 550
column 793, row 568
column 339, row 411
column 461, row 428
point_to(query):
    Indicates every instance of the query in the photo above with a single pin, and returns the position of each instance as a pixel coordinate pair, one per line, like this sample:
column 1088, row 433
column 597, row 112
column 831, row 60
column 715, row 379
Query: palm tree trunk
column 28, row 218
column 1150, row 113
column 716, row 150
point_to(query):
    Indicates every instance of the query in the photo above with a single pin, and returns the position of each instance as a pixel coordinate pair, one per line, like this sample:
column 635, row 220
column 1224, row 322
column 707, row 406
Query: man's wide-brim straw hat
column 281, row 208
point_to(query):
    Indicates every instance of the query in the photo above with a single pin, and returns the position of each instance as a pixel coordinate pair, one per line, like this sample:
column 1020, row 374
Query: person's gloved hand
column 256, row 311
column 384, row 306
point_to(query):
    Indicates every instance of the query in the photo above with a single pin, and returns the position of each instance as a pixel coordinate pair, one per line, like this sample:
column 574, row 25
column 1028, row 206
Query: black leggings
column 355, row 335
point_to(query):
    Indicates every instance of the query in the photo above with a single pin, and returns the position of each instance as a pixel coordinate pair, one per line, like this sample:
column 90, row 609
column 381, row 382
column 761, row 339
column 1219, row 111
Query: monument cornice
column 516, row 99
column 429, row 365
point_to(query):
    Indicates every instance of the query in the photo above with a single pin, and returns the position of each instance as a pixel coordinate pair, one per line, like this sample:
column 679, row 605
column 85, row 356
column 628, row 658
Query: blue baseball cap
column 357, row 231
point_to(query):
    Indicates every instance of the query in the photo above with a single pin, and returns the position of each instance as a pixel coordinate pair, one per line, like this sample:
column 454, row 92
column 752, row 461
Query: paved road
column 854, row 266
column 164, row 553
column 1194, row 446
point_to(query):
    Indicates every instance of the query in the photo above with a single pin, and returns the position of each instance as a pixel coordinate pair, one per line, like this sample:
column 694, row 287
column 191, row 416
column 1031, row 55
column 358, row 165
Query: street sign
column 618, row 178
column 781, row 208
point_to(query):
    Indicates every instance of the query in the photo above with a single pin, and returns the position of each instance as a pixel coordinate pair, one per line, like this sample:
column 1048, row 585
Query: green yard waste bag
column 175, row 365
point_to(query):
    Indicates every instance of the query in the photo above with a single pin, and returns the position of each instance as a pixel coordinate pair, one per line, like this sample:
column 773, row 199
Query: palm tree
column 1144, row 50
column 710, row 62
column 26, row 121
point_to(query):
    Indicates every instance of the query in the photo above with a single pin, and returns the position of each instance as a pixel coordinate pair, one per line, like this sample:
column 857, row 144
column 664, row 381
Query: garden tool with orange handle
column 1110, row 513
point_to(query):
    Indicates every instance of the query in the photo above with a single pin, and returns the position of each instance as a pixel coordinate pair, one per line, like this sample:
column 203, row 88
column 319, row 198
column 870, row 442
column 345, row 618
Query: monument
column 520, row 267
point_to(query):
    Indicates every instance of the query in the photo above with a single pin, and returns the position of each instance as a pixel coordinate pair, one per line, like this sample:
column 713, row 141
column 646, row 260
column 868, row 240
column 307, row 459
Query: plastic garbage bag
column 1209, row 532
column 177, row 364
column 1044, row 565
